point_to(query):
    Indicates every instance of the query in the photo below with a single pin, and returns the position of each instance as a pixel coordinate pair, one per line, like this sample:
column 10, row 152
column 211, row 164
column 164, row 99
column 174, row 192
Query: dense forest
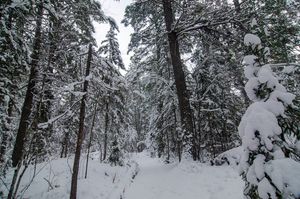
column 206, row 76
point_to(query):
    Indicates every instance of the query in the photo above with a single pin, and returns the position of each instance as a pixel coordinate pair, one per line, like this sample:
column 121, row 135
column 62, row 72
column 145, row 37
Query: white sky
column 116, row 10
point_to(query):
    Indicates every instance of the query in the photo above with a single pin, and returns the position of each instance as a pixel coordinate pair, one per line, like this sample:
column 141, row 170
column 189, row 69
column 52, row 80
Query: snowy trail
column 187, row 180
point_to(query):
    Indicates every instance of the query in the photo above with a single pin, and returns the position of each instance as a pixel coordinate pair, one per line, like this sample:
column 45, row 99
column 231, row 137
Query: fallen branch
column 49, row 183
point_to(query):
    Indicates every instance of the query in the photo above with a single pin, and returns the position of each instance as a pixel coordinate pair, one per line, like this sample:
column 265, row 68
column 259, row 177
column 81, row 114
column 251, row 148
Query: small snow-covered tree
column 116, row 155
column 262, row 136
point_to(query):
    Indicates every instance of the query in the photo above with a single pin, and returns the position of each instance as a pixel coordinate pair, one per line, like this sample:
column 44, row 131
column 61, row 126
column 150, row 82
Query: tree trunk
column 65, row 145
column 168, row 145
column 14, row 180
column 28, row 102
column 182, row 93
column 73, row 193
column 90, row 141
column 178, row 140
column 62, row 150
column 105, row 132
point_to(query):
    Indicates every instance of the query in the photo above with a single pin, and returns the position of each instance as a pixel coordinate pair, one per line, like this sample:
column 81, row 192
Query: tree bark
column 65, row 145
column 73, row 194
column 28, row 102
column 105, row 132
column 179, row 76
column 90, row 141
column 13, row 182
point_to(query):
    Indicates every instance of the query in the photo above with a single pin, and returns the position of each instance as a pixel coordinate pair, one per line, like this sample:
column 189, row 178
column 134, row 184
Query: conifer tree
column 262, row 136
column 115, row 158
column 110, row 48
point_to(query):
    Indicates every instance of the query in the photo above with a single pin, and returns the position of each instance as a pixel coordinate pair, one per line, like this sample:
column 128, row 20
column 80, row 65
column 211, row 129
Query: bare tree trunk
column 14, row 180
column 90, row 141
column 182, row 93
column 178, row 140
column 19, row 181
column 168, row 145
column 28, row 102
column 65, row 145
column 73, row 193
column 62, row 150
column 105, row 132
column 199, row 130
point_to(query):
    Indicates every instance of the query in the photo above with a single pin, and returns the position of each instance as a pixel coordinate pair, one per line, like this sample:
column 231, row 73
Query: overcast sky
column 115, row 9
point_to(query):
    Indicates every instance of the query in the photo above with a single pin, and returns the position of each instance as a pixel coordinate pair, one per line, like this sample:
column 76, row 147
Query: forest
column 209, row 101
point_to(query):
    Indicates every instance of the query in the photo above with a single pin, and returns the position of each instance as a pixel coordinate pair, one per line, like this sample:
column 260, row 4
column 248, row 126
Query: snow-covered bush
column 262, row 137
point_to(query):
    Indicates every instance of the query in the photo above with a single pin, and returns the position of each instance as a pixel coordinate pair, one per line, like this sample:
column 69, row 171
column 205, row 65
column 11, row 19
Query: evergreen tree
column 110, row 48
column 263, row 142
column 115, row 157
column 13, row 70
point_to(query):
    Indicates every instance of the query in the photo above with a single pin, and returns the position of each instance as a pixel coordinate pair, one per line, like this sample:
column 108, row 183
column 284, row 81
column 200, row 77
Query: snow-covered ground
column 154, row 180
column 187, row 180
column 53, row 180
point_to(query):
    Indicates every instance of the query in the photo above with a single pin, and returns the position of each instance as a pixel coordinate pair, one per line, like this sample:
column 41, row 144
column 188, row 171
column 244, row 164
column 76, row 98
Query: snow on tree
column 110, row 48
column 262, row 136
column 116, row 155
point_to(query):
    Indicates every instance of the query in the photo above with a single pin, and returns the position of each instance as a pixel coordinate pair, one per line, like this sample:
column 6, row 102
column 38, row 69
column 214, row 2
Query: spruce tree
column 262, row 136
column 110, row 48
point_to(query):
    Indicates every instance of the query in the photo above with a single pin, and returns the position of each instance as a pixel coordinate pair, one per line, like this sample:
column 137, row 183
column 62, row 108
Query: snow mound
column 231, row 157
column 289, row 69
column 252, row 40
column 285, row 174
column 189, row 167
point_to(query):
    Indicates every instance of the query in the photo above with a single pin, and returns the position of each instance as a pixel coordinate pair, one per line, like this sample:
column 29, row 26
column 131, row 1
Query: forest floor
column 52, row 179
column 186, row 180
column 141, row 177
